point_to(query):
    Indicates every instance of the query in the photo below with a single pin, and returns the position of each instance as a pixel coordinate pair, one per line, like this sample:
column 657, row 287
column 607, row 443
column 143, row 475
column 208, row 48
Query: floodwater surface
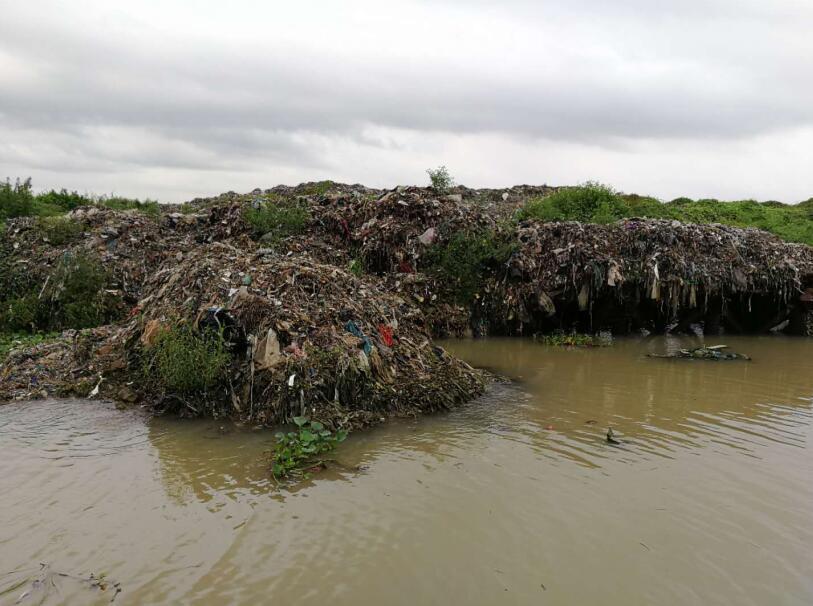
column 516, row 498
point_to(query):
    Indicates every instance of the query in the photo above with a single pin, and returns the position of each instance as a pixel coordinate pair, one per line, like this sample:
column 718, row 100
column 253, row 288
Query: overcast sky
column 173, row 100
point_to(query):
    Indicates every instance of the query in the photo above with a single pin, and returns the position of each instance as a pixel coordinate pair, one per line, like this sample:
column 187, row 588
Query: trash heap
column 309, row 338
column 638, row 273
column 336, row 320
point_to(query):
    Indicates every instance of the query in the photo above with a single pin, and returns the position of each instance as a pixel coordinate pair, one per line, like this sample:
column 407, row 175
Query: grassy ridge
column 597, row 203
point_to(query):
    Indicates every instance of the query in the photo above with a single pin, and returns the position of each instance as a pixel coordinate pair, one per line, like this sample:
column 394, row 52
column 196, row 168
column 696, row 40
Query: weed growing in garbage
column 74, row 295
column 442, row 181
column 274, row 222
column 184, row 361
column 460, row 261
column 59, row 230
column 591, row 201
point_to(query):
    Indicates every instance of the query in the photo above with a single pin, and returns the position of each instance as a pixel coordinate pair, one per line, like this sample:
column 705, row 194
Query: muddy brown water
column 513, row 499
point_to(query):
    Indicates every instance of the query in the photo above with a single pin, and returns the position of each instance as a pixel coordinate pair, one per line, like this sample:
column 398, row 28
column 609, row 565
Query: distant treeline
column 18, row 200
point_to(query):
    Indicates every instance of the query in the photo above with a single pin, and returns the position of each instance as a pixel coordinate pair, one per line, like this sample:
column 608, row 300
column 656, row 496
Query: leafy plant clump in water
column 273, row 222
column 297, row 451
column 442, row 182
column 185, row 361
column 562, row 339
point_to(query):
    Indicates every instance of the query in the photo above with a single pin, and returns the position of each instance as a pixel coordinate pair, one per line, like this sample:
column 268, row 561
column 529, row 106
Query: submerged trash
column 611, row 437
column 712, row 352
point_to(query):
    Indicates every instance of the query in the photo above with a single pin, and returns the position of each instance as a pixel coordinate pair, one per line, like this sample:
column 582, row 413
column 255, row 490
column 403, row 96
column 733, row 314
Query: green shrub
column 76, row 296
column 59, row 230
column 64, row 199
column 185, row 361
column 16, row 200
column 589, row 202
column 298, row 450
column 461, row 260
column 276, row 221
column 148, row 207
column 23, row 313
column 356, row 267
column 320, row 188
column 442, row 182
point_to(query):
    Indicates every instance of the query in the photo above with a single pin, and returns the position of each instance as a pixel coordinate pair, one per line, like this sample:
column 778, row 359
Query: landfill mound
column 308, row 338
column 334, row 318
column 658, row 275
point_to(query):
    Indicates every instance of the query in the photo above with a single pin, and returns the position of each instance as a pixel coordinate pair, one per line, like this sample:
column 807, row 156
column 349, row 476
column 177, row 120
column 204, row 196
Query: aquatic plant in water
column 561, row 339
column 297, row 451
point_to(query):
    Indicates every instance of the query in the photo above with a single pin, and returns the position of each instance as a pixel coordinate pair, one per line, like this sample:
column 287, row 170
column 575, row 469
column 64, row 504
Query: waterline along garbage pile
column 323, row 299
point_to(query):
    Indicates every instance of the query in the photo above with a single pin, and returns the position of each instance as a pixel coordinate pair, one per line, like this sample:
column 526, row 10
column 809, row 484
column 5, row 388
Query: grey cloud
column 81, row 98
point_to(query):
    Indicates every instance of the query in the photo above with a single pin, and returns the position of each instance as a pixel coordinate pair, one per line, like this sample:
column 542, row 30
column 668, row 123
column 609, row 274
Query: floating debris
column 712, row 352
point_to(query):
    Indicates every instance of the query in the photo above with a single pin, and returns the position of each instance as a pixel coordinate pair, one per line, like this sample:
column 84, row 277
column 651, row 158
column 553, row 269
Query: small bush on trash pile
column 590, row 202
column 148, row 207
column 442, row 182
column 296, row 451
column 276, row 221
column 184, row 361
column 64, row 199
column 596, row 203
column 59, row 230
column 75, row 295
column 461, row 260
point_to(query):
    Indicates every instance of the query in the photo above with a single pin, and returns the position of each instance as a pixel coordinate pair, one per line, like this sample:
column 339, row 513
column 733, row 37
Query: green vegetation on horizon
column 597, row 203
column 18, row 200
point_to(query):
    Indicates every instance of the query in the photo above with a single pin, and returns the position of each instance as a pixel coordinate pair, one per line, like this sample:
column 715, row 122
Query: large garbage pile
column 667, row 267
column 309, row 338
column 337, row 319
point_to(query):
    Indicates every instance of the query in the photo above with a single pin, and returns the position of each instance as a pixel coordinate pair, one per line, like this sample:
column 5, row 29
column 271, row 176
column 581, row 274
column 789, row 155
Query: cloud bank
column 176, row 99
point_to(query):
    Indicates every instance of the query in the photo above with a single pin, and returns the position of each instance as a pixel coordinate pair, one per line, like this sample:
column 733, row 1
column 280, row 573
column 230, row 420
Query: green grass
column 597, row 203
column 9, row 341
column 274, row 221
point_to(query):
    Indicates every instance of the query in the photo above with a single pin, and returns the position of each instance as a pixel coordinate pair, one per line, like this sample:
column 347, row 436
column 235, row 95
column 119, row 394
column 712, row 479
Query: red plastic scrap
column 386, row 334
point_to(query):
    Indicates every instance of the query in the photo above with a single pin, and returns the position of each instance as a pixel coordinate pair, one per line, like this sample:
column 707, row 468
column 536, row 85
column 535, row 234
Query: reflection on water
column 514, row 499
